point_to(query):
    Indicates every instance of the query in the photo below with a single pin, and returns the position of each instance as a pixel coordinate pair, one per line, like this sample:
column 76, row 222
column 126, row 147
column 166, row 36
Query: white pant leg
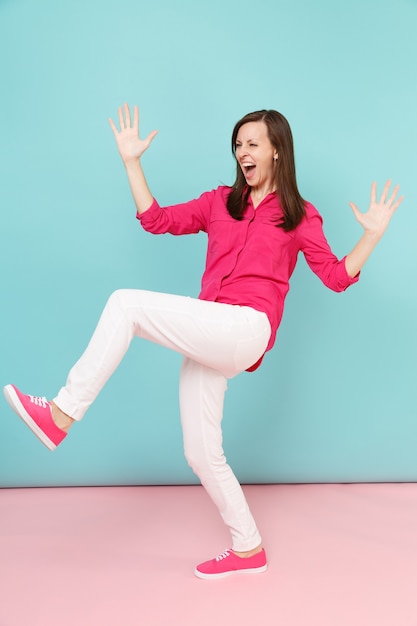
column 202, row 392
column 223, row 337
column 218, row 341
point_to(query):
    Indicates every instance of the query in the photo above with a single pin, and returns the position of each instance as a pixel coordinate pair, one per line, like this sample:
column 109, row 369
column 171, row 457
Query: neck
column 257, row 195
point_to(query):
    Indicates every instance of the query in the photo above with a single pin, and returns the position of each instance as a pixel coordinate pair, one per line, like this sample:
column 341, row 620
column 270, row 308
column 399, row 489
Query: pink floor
column 339, row 555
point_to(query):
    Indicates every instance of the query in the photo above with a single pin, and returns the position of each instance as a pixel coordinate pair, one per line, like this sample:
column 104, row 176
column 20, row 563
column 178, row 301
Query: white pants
column 218, row 341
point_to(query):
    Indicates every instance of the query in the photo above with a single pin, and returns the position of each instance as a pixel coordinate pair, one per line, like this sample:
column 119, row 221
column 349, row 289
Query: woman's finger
column 150, row 137
column 121, row 120
column 393, row 195
column 373, row 192
column 113, row 127
column 397, row 204
column 385, row 191
column 355, row 210
column 127, row 115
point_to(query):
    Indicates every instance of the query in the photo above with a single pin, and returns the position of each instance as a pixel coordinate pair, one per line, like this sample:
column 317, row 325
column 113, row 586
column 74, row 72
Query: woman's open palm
column 129, row 143
column 380, row 212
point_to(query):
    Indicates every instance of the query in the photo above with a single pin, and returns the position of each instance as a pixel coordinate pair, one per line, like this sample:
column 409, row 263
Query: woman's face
column 256, row 156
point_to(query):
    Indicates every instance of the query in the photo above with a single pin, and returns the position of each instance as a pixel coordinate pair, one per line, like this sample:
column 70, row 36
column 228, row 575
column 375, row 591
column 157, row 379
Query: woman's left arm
column 374, row 223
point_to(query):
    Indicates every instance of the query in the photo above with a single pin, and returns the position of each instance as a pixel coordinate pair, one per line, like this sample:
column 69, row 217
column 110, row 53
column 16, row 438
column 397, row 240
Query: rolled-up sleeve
column 179, row 219
column 318, row 254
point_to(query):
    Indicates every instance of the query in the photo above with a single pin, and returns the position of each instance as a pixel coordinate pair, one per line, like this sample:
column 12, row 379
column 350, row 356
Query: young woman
column 255, row 230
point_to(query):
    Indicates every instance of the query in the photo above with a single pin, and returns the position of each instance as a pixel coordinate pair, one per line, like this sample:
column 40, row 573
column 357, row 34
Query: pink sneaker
column 228, row 563
column 36, row 413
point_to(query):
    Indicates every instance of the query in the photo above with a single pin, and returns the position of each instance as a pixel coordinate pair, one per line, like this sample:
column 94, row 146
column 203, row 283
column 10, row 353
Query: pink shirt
column 250, row 262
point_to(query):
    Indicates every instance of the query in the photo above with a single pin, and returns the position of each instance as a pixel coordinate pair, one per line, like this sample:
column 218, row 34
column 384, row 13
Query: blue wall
column 336, row 399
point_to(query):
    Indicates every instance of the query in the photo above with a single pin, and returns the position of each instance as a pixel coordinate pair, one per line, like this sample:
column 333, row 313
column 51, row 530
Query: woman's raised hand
column 130, row 145
column 380, row 212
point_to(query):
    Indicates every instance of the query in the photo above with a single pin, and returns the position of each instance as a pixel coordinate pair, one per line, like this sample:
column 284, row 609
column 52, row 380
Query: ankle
column 248, row 553
column 61, row 419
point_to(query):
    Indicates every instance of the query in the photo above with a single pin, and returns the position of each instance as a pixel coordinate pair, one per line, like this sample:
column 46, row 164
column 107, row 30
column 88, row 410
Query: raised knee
column 116, row 296
column 117, row 300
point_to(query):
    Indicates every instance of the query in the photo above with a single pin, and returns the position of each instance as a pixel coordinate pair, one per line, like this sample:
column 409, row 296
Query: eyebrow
column 247, row 140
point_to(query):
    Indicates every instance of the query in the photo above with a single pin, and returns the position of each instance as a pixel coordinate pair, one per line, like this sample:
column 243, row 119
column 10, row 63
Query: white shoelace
column 223, row 555
column 43, row 402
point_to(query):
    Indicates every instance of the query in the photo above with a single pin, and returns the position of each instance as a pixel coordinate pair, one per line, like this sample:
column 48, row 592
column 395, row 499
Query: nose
column 241, row 152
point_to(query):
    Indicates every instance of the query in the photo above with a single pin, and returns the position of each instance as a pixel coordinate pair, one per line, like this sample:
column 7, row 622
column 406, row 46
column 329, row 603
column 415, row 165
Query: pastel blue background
column 336, row 399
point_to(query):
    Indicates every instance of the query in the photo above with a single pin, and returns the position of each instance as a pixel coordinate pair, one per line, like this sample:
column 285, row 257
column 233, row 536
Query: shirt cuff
column 148, row 213
column 349, row 279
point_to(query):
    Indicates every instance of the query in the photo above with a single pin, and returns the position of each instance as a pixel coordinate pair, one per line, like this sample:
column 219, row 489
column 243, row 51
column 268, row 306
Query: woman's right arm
column 131, row 147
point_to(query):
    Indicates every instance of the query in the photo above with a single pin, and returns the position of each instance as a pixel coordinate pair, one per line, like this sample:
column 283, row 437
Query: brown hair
column 280, row 136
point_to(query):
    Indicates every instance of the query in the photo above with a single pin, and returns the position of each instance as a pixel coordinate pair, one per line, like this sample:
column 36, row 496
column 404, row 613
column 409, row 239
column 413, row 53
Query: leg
column 201, row 402
column 218, row 341
column 224, row 337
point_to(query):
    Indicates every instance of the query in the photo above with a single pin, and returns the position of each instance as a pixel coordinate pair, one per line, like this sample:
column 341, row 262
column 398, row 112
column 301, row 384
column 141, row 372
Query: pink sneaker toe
column 36, row 413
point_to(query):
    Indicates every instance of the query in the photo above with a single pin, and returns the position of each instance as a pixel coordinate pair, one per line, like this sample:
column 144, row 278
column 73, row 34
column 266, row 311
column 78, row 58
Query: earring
column 276, row 157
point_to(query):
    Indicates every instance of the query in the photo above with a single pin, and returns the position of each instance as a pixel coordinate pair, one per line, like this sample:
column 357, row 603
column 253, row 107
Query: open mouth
column 248, row 170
